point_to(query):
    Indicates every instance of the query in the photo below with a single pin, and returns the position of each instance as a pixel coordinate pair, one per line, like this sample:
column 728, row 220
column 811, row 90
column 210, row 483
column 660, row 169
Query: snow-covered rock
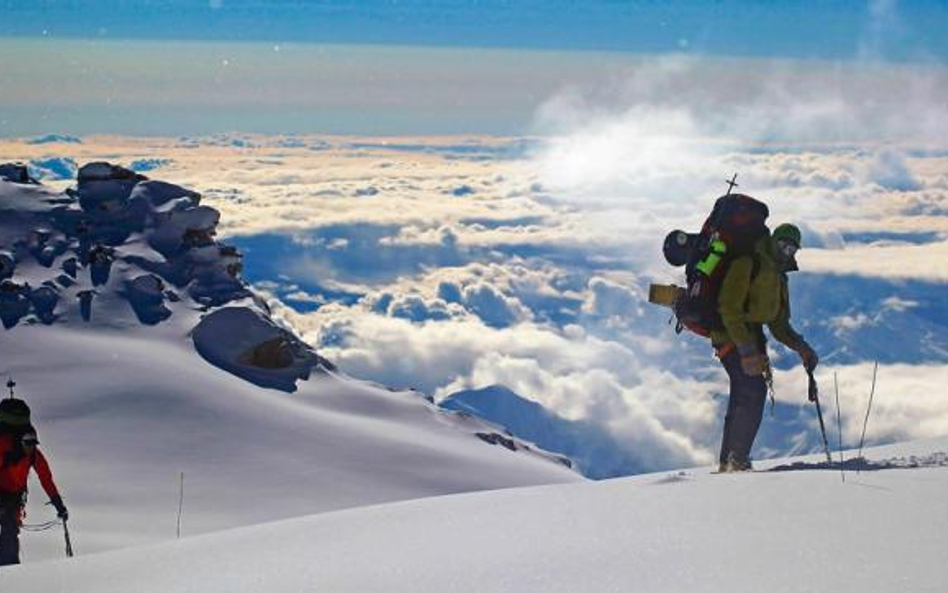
column 180, row 230
column 150, row 232
column 248, row 344
column 105, row 188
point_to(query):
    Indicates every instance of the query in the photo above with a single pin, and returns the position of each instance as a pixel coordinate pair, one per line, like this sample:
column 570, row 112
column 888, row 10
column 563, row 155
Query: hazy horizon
column 172, row 67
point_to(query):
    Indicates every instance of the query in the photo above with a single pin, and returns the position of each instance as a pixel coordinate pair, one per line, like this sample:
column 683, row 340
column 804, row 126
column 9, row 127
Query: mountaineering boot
column 734, row 464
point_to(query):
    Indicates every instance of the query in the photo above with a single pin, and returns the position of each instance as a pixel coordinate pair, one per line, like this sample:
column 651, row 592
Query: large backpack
column 14, row 417
column 732, row 229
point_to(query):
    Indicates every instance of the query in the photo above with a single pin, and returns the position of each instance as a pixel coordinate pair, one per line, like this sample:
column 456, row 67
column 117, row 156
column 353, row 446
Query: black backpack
column 15, row 421
column 14, row 415
column 732, row 229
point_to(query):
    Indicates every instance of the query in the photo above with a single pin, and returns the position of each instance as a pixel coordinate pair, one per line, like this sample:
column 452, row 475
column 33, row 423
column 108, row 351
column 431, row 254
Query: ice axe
column 814, row 394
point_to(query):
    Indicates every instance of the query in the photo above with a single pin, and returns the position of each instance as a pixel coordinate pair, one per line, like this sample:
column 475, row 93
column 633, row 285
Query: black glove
column 808, row 356
column 61, row 512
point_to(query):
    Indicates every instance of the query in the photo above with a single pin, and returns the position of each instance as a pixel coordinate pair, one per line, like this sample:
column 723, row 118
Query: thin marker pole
column 180, row 504
column 865, row 422
column 839, row 429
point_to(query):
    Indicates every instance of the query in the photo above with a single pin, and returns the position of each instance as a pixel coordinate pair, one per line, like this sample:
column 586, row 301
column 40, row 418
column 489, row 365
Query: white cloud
column 300, row 296
column 443, row 236
column 909, row 402
column 850, row 322
column 898, row 305
column 890, row 171
column 609, row 299
column 885, row 260
column 415, row 307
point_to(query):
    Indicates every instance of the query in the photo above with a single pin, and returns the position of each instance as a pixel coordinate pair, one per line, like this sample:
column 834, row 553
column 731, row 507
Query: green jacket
column 747, row 302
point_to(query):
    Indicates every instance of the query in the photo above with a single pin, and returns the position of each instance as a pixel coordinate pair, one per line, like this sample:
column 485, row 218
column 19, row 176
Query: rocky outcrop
column 83, row 234
column 120, row 235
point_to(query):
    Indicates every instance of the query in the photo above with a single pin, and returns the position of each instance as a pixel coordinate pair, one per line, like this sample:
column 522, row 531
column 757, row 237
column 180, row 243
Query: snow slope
column 798, row 530
column 144, row 356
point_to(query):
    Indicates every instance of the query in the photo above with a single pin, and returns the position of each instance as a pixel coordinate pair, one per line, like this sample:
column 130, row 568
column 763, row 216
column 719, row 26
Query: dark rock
column 7, row 265
column 71, row 267
column 85, row 304
column 16, row 173
column 146, row 296
column 14, row 304
column 276, row 353
column 496, row 439
column 44, row 300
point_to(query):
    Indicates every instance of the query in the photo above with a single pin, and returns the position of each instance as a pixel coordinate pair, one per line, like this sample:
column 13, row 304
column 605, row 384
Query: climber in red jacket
column 18, row 454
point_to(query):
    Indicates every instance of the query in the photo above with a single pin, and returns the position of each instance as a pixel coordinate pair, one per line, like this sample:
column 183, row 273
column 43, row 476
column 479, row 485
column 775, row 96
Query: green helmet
column 789, row 232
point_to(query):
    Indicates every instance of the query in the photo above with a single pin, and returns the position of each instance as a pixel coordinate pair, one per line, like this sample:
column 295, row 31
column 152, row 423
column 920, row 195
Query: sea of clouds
column 448, row 264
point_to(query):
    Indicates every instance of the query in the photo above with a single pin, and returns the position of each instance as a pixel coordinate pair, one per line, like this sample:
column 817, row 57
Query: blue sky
column 797, row 29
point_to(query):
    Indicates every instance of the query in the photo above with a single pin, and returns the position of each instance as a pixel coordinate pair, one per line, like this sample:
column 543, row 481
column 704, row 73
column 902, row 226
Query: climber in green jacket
column 755, row 293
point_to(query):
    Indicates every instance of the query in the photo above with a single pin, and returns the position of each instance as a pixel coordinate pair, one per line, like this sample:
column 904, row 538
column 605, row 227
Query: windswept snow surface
column 801, row 530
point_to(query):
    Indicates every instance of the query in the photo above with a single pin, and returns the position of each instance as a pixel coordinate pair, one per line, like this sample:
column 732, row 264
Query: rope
column 41, row 526
column 769, row 379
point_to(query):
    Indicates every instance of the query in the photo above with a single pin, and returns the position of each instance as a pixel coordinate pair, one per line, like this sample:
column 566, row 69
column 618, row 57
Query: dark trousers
column 10, row 528
column 745, row 408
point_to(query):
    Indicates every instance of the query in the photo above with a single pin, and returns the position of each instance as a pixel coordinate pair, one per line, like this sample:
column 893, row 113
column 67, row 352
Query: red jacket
column 13, row 475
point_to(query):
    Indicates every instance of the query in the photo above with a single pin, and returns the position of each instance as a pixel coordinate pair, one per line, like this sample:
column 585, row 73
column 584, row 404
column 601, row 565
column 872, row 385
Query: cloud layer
column 455, row 263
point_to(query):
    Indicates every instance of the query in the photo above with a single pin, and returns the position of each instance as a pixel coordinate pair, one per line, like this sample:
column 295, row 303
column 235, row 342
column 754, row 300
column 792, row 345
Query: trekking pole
column 839, row 430
column 68, row 541
column 865, row 422
column 814, row 394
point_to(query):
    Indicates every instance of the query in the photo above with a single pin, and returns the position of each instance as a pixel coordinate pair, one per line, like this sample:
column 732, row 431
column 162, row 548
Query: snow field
column 682, row 531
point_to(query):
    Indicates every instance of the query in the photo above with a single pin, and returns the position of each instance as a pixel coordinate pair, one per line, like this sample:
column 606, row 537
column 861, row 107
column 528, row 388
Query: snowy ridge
column 690, row 530
column 144, row 355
